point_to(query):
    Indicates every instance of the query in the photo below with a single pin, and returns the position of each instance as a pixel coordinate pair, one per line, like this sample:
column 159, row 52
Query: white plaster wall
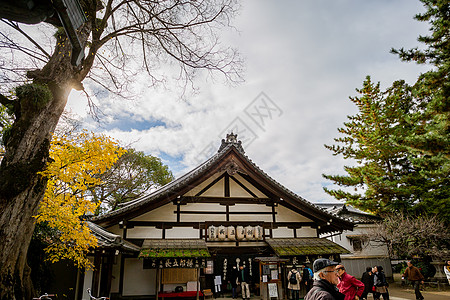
column 251, row 217
column 286, row 215
column 249, row 186
column 182, row 232
column 202, row 185
column 144, row 233
column 164, row 213
column 251, row 208
column 137, row 280
column 283, row 232
column 368, row 249
column 201, row 217
column 237, row 191
column 306, row 232
column 203, row 207
column 217, row 190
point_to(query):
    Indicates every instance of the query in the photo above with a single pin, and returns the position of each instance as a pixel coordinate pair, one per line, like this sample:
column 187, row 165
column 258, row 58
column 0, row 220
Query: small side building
column 364, row 253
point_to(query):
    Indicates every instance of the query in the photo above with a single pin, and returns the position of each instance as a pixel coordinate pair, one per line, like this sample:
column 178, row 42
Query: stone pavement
column 398, row 292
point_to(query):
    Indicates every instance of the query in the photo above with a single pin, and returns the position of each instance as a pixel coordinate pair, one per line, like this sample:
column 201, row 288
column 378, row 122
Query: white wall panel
column 182, row 232
column 286, row 215
column 164, row 213
column 283, row 232
column 306, row 232
column 137, row 280
column 144, row 233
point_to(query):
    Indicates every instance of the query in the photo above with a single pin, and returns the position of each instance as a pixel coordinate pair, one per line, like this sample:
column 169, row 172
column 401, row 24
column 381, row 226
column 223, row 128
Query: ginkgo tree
column 75, row 162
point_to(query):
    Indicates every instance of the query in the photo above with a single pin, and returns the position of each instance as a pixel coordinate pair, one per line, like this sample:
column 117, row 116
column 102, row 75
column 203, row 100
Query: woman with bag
column 380, row 285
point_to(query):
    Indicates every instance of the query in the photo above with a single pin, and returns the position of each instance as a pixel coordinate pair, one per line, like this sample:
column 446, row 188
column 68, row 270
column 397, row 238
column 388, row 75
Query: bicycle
column 95, row 298
column 45, row 297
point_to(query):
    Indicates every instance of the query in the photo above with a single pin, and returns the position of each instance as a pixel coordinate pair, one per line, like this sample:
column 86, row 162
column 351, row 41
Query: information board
column 273, row 290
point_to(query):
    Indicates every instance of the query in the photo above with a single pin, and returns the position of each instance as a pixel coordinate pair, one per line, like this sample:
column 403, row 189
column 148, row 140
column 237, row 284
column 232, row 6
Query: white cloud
column 308, row 57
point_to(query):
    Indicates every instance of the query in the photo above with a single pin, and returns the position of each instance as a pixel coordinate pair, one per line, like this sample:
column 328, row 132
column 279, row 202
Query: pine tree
column 429, row 138
column 382, row 169
column 400, row 139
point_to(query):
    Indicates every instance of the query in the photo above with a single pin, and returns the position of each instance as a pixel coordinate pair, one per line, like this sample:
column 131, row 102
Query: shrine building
column 183, row 239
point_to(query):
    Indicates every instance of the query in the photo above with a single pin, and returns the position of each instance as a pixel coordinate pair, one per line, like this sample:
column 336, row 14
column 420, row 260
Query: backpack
column 311, row 275
column 293, row 278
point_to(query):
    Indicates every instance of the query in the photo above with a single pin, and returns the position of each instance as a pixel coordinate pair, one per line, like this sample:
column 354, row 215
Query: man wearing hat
column 324, row 287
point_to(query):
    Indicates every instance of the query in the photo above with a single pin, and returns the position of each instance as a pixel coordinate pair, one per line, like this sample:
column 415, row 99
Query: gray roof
column 227, row 145
column 350, row 212
column 107, row 239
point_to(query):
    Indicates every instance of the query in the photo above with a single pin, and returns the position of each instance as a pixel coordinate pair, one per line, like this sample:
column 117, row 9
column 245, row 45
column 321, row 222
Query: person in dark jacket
column 413, row 274
column 325, row 281
column 380, row 283
column 233, row 281
column 307, row 278
column 244, row 279
column 367, row 279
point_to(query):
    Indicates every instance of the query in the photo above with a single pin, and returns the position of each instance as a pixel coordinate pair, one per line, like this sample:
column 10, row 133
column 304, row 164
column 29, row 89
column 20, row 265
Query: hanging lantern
column 240, row 232
column 221, row 232
column 258, row 232
column 231, row 234
column 212, row 233
column 249, row 232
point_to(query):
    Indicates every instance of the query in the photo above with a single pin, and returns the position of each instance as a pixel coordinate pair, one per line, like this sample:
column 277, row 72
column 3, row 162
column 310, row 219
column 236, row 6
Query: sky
column 303, row 60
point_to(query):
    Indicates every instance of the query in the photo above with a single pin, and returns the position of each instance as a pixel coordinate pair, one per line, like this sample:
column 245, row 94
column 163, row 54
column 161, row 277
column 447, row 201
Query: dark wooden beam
column 199, row 212
column 202, row 225
column 226, row 185
column 226, row 200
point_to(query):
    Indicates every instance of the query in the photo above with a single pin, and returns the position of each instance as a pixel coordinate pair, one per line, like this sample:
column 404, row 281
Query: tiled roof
column 156, row 248
column 106, row 239
column 172, row 187
column 349, row 212
column 304, row 246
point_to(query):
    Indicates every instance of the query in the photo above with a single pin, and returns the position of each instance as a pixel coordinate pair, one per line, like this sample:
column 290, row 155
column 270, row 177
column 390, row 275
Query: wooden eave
column 276, row 193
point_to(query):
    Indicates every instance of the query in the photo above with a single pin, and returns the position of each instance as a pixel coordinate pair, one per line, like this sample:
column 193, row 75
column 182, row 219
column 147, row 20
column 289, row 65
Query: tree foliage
column 133, row 175
column 399, row 142
column 73, row 170
column 408, row 237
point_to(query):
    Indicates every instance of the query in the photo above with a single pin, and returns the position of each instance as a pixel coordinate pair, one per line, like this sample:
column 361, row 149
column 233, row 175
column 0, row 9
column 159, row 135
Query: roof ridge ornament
column 231, row 139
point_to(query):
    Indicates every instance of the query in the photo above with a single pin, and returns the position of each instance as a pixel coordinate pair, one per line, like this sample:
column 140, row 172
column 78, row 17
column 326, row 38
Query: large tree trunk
column 27, row 152
column 22, row 189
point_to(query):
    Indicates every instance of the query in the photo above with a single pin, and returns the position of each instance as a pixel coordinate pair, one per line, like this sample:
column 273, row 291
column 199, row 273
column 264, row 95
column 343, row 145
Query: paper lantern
column 212, row 233
column 258, row 232
column 221, row 233
column 240, row 233
column 249, row 232
column 231, row 233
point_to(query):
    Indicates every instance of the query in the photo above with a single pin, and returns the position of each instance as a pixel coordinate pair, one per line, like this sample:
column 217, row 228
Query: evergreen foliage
column 399, row 142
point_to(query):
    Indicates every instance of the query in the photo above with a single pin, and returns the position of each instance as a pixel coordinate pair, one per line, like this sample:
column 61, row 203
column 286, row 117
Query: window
column 357, row 244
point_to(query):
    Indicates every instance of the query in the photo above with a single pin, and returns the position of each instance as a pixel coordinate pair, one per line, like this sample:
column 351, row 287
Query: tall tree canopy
column 122, row 38
column 399, row 142
column 130, row 177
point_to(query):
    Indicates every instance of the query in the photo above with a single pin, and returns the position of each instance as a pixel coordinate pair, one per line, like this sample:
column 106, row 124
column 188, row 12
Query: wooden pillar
column 96, row 275
column 110, row 271
column 122, row 272
column 157, row 282
column 198, row 283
